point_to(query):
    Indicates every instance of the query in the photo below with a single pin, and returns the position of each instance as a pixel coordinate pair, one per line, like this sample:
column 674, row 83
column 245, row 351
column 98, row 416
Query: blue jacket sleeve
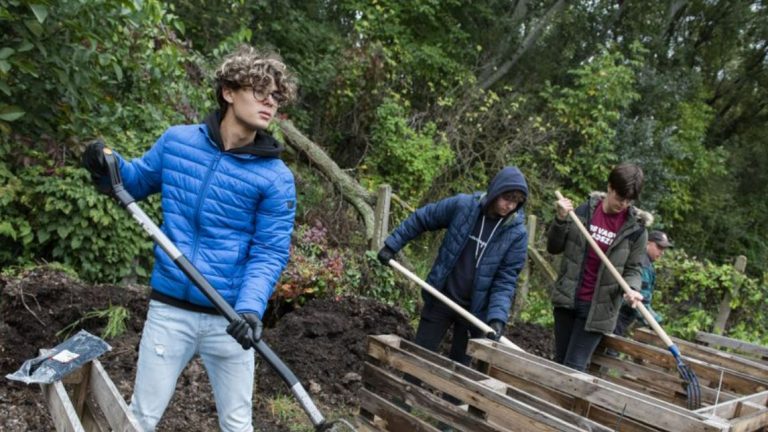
column 431, row 217
column 269, row 246
column 143, row 176
column 505, row 280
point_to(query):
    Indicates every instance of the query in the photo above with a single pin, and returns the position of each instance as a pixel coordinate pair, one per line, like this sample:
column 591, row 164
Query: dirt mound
column 532, row 338
column 324, row 344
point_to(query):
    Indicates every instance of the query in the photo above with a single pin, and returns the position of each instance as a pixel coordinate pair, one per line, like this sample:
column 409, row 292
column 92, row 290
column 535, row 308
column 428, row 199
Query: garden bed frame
column 636, row 390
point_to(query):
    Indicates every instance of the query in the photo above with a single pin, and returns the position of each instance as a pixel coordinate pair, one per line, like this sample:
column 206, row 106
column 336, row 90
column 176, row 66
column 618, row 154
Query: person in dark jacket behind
column 482, row 253
column 228, row 204
column 658, row 242
column 586, row 297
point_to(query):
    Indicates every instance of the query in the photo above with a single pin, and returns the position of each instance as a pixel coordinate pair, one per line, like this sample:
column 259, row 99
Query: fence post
column 725, row 305
column 381, row 217
column 524, row 279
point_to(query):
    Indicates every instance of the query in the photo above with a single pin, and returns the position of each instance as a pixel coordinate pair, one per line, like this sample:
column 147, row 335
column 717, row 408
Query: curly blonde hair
column 248, row 67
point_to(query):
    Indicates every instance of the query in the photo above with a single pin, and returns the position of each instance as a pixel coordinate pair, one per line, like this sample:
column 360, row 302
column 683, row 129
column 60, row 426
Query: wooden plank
column 540, row 261
column 709, row 355
column 757, row 420
column 395, row 419
column 110, row 401
column 724, row 311
column 60, row 408
column 521, row 416
column 381, row 217
column 599, row 392
column 386, row 384
column 665, row 385
column 728, row 409
column 735, row 344
column 708, row 375
column 483, row 379
column 568, row 402
column 92, row 418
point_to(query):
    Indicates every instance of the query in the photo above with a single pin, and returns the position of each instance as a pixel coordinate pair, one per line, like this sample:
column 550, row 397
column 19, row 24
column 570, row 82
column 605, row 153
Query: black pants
column 434, row 324
column 627, row 316
column 574, row 345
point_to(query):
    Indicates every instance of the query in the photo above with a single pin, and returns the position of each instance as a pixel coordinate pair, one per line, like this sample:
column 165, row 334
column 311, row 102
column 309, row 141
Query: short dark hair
column 627, row 180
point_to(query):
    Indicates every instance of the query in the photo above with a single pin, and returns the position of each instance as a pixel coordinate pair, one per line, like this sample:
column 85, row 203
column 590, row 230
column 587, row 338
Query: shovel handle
column 181, row 261
column 619, row 278
column 451, row 304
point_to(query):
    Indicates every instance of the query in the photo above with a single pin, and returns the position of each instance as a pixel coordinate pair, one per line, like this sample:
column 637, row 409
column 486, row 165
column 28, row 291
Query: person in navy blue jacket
column 484, row 248
column 228, row 204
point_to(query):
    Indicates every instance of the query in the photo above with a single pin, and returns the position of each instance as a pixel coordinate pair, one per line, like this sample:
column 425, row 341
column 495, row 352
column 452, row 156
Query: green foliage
column 289, row 413
column 538, row 308
column 405, row 158
column 588, row 112
column 59, row 216
column 116, row 317
column 689, row 292
column 382, row 285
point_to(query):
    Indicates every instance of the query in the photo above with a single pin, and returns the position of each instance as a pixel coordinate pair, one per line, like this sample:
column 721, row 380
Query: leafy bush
column 689, row 292
column 405, row 158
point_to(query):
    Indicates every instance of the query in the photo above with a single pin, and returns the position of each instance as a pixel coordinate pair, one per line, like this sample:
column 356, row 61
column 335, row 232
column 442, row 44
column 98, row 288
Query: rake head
column 691, row 384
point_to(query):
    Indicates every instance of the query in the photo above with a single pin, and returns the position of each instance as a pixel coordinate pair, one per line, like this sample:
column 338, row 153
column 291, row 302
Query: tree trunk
column 488, row 80
column 350, row 189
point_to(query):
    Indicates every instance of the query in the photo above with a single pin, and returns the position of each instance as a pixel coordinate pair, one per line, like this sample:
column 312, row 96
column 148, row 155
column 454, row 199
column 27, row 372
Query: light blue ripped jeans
column 171, row 337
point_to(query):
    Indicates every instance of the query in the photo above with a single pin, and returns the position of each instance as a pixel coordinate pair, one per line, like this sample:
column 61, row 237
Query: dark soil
column 323, row 343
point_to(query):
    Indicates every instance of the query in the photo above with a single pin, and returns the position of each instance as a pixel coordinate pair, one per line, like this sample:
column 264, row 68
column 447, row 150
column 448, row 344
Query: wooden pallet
column 391, row 403
column 96, row 405
column 639, row 390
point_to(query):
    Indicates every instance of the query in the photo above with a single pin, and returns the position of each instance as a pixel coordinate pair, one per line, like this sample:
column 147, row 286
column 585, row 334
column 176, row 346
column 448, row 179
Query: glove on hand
column 93, row 159
column 246, row 330
column 497, row 327
column 385, row 254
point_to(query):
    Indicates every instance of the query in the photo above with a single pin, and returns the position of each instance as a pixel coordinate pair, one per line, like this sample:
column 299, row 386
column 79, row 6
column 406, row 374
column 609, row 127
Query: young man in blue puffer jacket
column 228, row 204
column 484, row 248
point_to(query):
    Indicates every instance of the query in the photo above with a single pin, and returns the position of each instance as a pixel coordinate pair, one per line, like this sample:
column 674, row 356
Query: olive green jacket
column 626, row 254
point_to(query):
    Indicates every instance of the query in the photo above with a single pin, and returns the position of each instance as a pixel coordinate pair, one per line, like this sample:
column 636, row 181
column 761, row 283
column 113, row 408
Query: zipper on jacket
column 196, row 214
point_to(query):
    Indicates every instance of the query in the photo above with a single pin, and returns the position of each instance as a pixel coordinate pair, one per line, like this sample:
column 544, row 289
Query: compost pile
column 323, row 342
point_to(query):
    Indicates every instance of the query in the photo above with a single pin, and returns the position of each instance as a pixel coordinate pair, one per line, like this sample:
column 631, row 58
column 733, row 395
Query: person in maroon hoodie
column 585, row 296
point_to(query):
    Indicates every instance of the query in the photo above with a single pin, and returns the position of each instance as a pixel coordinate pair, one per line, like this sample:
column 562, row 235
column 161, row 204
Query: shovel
column 451, row 304
column 181, row 261
column 691, row 382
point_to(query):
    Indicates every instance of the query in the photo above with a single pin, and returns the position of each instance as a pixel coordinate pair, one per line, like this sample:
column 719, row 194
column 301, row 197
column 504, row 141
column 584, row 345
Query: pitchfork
column 690, row 382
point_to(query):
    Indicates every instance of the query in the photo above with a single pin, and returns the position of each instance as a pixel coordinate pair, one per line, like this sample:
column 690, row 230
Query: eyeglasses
column 261, row 95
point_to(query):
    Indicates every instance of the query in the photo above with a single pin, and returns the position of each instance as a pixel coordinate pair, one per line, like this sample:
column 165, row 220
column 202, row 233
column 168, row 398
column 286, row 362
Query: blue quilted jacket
column 505, row 254
column 230, row 212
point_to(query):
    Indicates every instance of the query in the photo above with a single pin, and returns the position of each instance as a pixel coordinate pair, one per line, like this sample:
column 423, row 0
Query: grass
column 116, row 317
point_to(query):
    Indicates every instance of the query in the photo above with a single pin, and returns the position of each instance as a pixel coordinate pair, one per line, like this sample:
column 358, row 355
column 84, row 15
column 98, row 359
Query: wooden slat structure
column 714, row 340
column 636, row 388
column 390, row 402
column 95, row 405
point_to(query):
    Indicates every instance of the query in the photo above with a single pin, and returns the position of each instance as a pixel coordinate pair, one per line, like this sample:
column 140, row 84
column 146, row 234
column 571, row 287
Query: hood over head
column 508, row 179
column 263, row 145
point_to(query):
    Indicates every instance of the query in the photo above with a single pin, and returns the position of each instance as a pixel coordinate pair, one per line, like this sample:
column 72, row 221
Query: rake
column 690, row 381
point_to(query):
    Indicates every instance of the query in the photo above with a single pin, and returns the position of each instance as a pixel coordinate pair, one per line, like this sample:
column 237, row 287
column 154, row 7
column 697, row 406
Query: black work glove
column 497, row 327
column 385, row 254
column 246, row 330
column 93, row 161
